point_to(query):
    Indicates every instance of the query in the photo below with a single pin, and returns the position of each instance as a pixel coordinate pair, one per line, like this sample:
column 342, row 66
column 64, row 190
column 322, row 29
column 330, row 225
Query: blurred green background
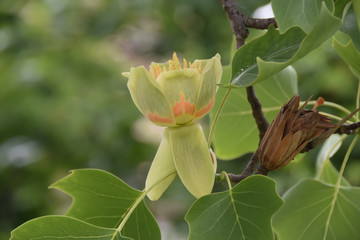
column 64, row 104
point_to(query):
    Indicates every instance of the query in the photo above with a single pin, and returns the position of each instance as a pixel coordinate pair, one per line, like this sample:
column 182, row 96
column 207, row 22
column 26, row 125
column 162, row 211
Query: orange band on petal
column 155, row 118
column 205, row 109
column 183, row 107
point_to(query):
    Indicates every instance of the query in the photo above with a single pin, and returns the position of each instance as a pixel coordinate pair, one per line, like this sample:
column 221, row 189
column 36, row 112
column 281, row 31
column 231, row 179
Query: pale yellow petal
column 181, row 87
column 210, row 76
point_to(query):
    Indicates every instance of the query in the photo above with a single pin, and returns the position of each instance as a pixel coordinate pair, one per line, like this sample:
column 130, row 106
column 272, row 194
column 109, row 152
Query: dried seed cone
column 289, row 133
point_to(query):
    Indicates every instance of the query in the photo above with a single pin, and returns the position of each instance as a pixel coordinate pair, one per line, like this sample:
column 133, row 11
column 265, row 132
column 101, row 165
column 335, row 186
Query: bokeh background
column 64, row 103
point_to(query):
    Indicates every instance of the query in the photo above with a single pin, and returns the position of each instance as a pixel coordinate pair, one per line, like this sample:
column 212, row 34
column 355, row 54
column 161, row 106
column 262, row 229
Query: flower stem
column 217, row 115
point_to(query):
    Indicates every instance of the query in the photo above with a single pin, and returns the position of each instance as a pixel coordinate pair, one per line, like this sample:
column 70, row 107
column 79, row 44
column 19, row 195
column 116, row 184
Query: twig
column 331, row 131
column 260, row 23
column 236, row 19
column 262, row 170
column 348, row 128
column 248, row 170
column 239, row 23
column 257, row 112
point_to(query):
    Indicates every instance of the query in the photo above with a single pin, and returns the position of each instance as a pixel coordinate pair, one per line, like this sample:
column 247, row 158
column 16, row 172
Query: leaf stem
column 358, row 101
column 260, row 119
column 224, row 175
column 333, row 116
column 331, row 104
column 259, row 23
column 248, row 170
column 217, row 115
column 136, row 203
column 338, row 182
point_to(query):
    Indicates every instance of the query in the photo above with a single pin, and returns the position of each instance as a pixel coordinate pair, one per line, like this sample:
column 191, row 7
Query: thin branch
column 329, row 132
column 260, row 23
column 236, row 19
column 260, row 119
column 262, row 170
column 248, row 170
column 239, row 23
column 348, row 128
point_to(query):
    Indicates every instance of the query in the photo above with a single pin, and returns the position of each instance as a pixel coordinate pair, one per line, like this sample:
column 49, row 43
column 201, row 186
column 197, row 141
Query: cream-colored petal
column 181, row 87
column 162, row 171
column 210, row 76
column 192, row 158
column 149, row 98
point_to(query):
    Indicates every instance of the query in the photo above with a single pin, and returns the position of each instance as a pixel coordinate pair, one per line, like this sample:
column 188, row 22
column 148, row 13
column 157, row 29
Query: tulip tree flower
column 176, row 97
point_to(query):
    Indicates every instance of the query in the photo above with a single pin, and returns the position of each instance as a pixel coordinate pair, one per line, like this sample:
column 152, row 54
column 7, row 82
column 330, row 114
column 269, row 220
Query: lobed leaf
column 307, row 208
column 347, row 42
column 100, row 200
column 62, row 227
column 243, row 212
column 301, row 13
column 263, row 57
column 351, row 27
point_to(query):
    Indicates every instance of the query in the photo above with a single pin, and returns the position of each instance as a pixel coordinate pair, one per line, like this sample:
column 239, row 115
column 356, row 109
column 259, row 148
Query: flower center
column 174, row 64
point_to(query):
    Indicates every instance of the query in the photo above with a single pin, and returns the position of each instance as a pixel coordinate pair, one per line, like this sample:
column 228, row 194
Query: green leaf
column 236, row 132
column 326, row 171
column 340, row 7
column 351, row 27
column 102, row 199
column 248, row 7
column 349, row 53
column 244, row 212
column 356, row 5
column 261, row 58
column 301, row 13
column 62, row 227
column 347, row 42
column 307, row 208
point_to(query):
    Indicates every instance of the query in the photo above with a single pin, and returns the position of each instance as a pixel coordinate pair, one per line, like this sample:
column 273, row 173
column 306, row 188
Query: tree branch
column 262, row 170
column 248, row 170
column 344, row 129
column 348, row 128
column 257, row 112
column 239, row 23
column 236, row 19
column 260, row 23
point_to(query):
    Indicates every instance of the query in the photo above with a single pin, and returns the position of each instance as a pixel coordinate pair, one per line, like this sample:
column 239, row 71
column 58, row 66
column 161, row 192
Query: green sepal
column 192, row 158
column 162, row 171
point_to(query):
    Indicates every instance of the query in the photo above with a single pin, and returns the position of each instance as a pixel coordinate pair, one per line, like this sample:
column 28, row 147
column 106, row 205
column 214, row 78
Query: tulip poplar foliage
column 178, row 95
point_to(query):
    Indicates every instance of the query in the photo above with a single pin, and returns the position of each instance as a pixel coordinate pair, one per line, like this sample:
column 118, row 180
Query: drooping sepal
column 193, row 160
column 162, row 171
